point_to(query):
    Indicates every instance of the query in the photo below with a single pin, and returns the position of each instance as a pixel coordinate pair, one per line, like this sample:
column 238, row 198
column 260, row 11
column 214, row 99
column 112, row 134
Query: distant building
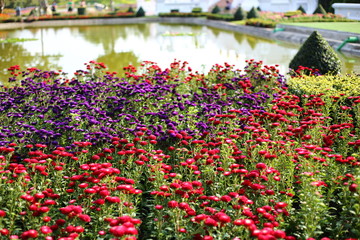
column 245, row 4
column 288, row 5
column 154, row 7
column 348, row 10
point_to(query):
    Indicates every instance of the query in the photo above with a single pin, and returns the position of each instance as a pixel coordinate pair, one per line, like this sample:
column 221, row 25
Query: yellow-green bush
column 257, row 22
column 340, row 92
column 292, row 13
column 342, row 86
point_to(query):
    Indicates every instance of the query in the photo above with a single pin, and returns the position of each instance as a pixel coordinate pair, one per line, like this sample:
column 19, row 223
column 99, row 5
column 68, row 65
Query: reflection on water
column 68, row 48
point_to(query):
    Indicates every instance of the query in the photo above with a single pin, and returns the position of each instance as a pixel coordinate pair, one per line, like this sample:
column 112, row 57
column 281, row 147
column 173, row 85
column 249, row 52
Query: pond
column 69, row 48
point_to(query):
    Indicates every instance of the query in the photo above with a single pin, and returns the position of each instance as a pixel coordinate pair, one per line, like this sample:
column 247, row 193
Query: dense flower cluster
column 173, row 154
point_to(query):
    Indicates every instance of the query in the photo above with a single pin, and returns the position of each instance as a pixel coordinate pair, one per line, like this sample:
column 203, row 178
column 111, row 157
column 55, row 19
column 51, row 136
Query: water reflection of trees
column 116, row 61
column 108, row 34
column 239, row 37
column 16, row 54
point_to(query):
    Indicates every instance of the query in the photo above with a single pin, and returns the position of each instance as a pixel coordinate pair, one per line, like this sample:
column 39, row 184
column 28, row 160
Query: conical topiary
column 240, row 14
column 316, row 53
column 215, row 10
column 130, row 10
column 320, row 10
column 258, row 8
column 253, row 13
column 140, row 12
column 301, row 9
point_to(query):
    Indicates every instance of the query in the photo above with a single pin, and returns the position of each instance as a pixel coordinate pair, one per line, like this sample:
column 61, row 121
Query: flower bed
column 173, row 154
column 7, row 18
column 182, row 14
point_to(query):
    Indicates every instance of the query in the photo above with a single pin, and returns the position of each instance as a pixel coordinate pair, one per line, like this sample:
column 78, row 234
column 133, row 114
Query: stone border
column 292, row 34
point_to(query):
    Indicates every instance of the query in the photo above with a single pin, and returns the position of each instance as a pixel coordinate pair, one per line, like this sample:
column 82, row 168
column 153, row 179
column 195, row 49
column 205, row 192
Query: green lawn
column 353, row 27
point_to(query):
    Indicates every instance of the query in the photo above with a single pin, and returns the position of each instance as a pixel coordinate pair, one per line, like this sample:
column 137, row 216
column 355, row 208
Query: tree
column 140, row 12
column 316, row 53
column 320, row 10
column 253, row 13
column 301, row 9
column 240, row 14
column 215, row 10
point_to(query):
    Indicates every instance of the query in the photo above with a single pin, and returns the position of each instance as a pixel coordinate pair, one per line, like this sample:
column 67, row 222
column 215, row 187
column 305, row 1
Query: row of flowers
column 175, row 154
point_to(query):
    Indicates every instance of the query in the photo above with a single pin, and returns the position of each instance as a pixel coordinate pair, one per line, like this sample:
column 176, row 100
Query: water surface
column 68, row 48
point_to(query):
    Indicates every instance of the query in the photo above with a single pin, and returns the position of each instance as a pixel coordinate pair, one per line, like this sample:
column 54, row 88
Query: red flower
column 353, row 187
column 173, row 204
column 2, row 213
column 84, row 218
column 210, row 222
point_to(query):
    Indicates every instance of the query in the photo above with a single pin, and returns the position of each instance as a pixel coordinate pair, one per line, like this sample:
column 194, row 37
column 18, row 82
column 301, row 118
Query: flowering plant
column 175, row 154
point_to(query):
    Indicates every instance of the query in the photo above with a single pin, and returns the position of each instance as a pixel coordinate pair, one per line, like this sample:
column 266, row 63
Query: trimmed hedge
column 240, row 14
column 316, row 53
column 320, row 10
column 222, row 17
column 184, row 15
column 196, row 10
column 140, row 12
column 293, row 13
column 301, row 9
column 215, row 10
column 253, row 13
column 257, row 22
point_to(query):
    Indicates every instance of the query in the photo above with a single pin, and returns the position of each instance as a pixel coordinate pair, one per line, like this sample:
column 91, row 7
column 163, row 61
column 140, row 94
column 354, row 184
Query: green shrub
column 257, row 22
column 140, row 12
column 320, row 10
column 240, row 14
column 215, row 10
column 292, row 13
column 181, row 14
column 174, row 10
column 316, row 53
column 81, row 11
column 222, row 17
column 196, row 10
column 253, row 13
column 339, row 85
column 301, row 9
column 258, row 8
column 130, row 10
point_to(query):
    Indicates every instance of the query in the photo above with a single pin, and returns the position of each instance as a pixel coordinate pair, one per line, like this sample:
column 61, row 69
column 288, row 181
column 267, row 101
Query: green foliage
column 258, row 8
column 320, row 10
column 240, row 14
column 292, row 13
column 316, row 53
column 215, row 10
column 329, row 17
column 222, row 17
column 257, row 22
column 343, row 86
column 301, row 9
column 181, row 14
column 253, row 13
column 81, row 11
column 196, row 10
column 140, row 12
column 131, row 10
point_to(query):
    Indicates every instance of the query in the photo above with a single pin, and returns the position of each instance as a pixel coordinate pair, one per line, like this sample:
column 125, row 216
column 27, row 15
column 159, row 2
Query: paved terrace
column 292, row 34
